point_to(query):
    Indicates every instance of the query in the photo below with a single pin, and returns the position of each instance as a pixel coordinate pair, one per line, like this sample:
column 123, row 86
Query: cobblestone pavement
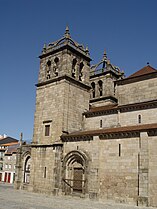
column 19, row 199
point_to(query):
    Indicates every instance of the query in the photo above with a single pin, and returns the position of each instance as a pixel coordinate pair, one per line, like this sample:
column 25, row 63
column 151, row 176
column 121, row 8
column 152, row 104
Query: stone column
column 18, row 171
column 143, row 171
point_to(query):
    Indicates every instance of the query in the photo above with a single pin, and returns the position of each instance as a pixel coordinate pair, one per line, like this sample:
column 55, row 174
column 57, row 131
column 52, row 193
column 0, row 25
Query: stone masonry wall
column 91, row 148
column 75, row 104
column 59, row 104
column 45, row 169
column 63, row 67
column 118, row 171
column 108, row 121
column 143, row 169
column 131, row 118
column 107, row 85
column 152, row 144
column 49, row 110
column 121, row 119
column 22, row 153
column 136, row 92
column 112, row 173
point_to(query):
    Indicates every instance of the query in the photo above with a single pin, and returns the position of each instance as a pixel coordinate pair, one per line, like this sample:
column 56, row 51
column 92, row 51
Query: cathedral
column 95, row 130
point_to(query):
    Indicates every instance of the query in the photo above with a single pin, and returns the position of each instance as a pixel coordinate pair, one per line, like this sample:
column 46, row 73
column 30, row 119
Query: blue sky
column 127, row 29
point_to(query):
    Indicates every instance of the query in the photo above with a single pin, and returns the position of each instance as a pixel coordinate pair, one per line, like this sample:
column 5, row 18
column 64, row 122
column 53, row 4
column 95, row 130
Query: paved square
column 19, row 199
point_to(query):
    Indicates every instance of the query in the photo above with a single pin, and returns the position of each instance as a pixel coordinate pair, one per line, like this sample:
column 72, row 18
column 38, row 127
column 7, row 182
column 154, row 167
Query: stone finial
column 108, row 62
column 105, row 55
column 21, row 137
column 67, row 32
column 87, row 50
column 44, row 48
column 104, row 59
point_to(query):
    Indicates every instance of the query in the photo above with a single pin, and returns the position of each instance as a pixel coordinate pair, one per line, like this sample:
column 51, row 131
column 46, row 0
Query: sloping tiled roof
column 145, row 73
column 106, row 109
column 8, row 140
column 145, row 70
column 103, row 108
column 111, row 109
column 9, row 144
column 144, row 127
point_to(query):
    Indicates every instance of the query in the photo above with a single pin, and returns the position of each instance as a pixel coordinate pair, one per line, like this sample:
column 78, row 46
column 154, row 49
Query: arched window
column 48, row 69
column 80, row 71
column 56, row 60
column 55, row 67
column 27, row 170
column 100, row 88
column 48, row 63
column 93, row 89
column 139, row 119
column 74, row 68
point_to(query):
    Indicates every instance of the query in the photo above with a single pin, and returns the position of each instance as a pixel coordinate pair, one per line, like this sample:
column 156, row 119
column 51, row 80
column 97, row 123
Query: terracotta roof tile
column 145, row 73
column 143, row 127
column 145, row 70
column 103, row 108
column 122, row 108
column 9, row 144
column 8, row 140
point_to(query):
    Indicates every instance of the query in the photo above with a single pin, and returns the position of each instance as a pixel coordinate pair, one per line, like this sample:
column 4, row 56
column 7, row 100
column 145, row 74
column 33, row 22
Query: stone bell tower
column 103, row 76
column 63, row 89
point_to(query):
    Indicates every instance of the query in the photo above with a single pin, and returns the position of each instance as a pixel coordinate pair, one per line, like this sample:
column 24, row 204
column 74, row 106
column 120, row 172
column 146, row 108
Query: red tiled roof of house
column 8, row 140
column 9, row 144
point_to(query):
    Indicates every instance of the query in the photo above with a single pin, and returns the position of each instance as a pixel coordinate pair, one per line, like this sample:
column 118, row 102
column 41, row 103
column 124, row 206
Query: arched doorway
column 27, row 166
column 75, row 173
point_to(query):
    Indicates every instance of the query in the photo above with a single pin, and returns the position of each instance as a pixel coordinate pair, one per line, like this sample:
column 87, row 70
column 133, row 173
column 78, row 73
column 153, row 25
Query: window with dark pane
column 119, row 150
column 45, row 172
column 100, row 123
column 139, row 119
column 47, row 130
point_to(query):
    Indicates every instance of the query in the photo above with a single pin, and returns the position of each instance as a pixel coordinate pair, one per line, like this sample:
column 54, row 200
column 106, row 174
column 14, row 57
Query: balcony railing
column 96, row 72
